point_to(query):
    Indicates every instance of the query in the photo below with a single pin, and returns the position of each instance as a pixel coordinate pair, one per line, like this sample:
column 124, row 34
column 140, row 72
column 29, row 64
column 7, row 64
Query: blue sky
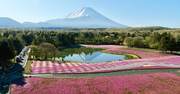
column 128, row 12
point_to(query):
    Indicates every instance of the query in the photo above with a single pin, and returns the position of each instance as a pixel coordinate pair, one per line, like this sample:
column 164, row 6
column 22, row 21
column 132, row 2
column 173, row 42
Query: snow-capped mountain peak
column 84, row 12
column 86, row 18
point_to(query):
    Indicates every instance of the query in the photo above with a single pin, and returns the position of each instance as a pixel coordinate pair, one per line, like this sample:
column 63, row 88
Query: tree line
column 154, row 38
column 12, row 41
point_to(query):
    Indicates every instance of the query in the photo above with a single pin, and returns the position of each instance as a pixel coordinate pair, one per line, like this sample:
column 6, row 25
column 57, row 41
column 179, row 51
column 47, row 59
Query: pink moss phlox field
column 154, row 83
column 120, row 49
column 147, row 63
column 152, row 59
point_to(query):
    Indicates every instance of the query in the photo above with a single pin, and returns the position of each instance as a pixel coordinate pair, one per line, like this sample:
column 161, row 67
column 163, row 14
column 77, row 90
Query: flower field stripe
column 73, row 68
column 76, row 69
column 60, row 68
column 70, row 67
column 36, row 64
column 56, row 67
column 66, row 67
column 44, row 63
column 83, row 68
column 97, row 67
column 50, row 64
column 39, row 67
column 89, row 67
column 44, row 69
column 100, row 66
column 112, row 65
column 79, row 68
column 86, row 67
column 53, row 65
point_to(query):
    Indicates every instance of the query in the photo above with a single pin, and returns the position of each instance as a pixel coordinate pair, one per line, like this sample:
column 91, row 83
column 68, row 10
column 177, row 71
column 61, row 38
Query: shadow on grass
column 12, row 76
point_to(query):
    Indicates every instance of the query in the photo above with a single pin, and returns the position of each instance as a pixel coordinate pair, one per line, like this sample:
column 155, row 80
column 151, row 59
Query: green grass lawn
column 132, row 56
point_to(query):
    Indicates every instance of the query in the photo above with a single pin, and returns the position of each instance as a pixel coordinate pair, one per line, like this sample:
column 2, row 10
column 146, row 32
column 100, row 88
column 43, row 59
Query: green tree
column 18, row 45
column 28, row 38
column 7, row 53
column 138, row 42
column 48, row 50
column 128, row 42
column 167, row 42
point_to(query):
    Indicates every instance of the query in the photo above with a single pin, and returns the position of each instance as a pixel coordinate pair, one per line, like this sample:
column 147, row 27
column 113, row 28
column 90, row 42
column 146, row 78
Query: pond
column 94, row 57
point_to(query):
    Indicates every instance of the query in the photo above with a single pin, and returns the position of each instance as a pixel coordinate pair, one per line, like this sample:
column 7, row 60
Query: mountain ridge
column 83, row 18
column 8, row 22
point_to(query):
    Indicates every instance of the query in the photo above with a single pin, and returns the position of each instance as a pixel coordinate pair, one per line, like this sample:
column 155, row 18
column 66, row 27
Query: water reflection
column 93, row 57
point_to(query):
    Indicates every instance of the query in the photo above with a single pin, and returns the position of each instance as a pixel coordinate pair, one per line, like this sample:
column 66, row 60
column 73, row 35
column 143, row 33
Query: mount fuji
column 83, row 18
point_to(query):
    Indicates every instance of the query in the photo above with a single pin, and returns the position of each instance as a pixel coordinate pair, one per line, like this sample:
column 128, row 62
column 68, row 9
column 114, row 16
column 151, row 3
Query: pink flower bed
column 120, row 49
column 154, row 83
column 148, row 57
column 141, row 53
column 56, row 67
